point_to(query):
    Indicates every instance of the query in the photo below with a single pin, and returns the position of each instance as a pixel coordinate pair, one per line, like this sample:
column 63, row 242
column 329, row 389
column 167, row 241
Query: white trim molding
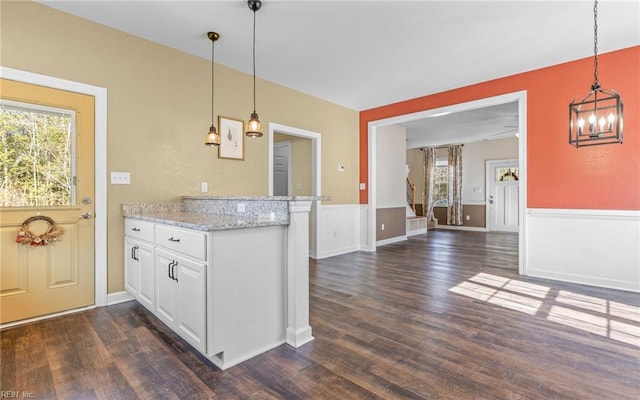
column 391, row 240
column 119, row 297
column 44, row 317
column 461, row 228
column 100, row 179
column 592, row 247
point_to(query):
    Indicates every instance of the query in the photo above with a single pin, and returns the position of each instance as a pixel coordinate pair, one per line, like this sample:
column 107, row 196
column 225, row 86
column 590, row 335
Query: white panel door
column 503, row 195
column 281, row 175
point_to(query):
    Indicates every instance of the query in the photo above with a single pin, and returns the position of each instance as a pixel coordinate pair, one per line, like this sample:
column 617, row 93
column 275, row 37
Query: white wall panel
column 391, row 154
column 593, row 247
column 340, row 231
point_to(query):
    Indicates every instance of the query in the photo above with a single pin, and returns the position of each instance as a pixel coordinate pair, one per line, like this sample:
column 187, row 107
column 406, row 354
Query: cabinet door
column 191, row 323
column 146, row 266
column 166, row 289
column 131, row 268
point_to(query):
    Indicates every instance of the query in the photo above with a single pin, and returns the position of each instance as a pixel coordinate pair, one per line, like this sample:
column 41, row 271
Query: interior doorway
column 314, row 139
column 519, row 97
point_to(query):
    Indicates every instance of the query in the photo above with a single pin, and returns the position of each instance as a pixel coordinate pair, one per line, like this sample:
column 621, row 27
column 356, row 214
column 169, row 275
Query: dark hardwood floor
column 440, row 316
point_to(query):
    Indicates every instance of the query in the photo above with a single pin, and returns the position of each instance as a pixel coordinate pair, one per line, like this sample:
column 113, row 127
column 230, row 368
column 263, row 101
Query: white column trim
column 298, row 330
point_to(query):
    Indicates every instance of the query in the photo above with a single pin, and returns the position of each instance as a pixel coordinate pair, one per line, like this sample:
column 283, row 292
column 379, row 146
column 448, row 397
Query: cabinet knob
column 135, row 229
column 171, row 239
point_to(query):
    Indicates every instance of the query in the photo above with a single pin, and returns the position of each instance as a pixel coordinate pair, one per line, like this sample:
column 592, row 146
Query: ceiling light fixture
column 596, row 119
column 254, row 126
column 213, row 138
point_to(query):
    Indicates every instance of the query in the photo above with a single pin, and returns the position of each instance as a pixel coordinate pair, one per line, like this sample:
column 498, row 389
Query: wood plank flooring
column 440, row 316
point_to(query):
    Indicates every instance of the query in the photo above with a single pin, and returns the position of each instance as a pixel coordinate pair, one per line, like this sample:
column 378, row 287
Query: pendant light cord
column 596, row 83
column 254, row 60
column 213, row 79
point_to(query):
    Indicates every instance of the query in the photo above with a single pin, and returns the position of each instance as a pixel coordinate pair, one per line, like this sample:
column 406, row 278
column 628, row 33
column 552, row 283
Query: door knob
column 86, row 215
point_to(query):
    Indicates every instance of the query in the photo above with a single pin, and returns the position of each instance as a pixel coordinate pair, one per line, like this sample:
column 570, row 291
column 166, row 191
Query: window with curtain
column 441, row 184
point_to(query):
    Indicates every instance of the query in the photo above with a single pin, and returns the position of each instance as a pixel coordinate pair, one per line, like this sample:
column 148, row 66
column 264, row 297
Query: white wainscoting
column 341, row 232
column 593, row 247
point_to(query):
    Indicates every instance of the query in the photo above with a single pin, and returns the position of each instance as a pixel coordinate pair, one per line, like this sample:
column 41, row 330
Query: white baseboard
column 416, row 232
column 391, row 240
column 118, row 297
column 461, row 228
column 591, row 247
column 337, row 252
column 48, row 316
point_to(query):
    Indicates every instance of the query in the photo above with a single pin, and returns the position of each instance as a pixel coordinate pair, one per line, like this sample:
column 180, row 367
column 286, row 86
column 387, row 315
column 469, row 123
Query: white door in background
column 281, row 173
column 503, row 191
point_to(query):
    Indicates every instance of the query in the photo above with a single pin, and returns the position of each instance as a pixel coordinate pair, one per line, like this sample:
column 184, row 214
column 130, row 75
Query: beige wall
column 159, row 109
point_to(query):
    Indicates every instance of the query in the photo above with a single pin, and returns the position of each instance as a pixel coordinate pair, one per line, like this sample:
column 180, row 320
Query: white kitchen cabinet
column 139, row 262
column 181, row 289
column 139, row 267
column 231, row 287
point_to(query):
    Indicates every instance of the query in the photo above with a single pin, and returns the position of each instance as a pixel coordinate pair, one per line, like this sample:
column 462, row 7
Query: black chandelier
column 597, row 118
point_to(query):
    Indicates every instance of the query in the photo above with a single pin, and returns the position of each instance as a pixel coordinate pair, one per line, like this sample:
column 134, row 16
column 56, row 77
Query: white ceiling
column 364, row 54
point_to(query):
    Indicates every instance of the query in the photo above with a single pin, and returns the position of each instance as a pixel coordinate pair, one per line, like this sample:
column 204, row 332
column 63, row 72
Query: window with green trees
column 441, row 185
column 36, row 155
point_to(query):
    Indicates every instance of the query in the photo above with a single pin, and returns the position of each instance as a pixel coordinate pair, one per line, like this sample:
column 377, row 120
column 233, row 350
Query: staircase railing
column 411, row 195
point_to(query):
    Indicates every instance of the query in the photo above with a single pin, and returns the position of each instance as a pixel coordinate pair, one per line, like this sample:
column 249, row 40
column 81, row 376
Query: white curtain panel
column 429, row 182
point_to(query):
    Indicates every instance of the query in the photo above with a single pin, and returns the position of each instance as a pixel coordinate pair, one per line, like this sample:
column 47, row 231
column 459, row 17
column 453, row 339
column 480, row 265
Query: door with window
column 46, row 200
column 503, row 195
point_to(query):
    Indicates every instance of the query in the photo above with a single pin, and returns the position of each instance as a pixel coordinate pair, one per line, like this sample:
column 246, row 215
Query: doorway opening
column 519, row 97
column 312, row 141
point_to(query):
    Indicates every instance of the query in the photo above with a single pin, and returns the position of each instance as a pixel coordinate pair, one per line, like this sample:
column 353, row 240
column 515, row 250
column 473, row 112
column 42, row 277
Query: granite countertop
column 216, row 213
column 207, row 222
column 259, row 198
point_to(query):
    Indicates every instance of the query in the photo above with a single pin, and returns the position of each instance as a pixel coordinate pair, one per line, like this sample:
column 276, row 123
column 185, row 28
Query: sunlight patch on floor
column 591, row 314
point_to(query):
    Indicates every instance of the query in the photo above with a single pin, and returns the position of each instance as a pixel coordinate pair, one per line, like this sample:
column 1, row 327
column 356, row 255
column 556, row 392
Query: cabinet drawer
column 191, row 243
column 138, row 229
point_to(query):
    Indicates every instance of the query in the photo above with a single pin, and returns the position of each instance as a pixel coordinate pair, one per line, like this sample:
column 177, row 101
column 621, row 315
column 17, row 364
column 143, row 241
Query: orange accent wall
column 559, row 175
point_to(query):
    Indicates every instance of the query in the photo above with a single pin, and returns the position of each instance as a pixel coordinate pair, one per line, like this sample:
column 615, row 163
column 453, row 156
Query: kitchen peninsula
column 230, row 275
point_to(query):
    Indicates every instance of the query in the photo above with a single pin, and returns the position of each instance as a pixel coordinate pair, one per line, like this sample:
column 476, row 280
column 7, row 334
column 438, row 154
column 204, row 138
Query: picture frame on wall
column 231, row 138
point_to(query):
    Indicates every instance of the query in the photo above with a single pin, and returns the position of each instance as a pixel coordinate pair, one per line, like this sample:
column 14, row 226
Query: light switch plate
column 120, row 178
